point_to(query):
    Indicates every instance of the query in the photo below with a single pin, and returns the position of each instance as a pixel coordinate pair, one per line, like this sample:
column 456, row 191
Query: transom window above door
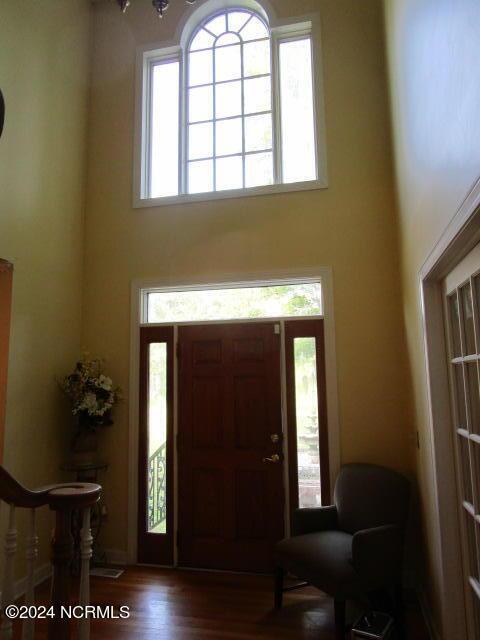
column 293, row 300
column 231, row 112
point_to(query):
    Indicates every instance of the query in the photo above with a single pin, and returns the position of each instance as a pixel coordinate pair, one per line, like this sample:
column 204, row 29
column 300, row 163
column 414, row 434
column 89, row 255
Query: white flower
column 104, row 382
column 89, row 403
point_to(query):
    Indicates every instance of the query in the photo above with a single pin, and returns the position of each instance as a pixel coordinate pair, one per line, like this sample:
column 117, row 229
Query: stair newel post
column 62, row 499
column 86, row 541
column 31, row 556
column 8, row 594
column 62, row 556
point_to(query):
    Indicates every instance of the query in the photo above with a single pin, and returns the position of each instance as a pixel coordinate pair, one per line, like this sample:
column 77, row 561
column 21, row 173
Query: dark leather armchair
column 353, row 547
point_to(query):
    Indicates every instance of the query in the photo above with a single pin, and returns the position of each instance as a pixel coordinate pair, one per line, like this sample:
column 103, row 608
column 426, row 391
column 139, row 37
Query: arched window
column 230, row 112
column 229, row 104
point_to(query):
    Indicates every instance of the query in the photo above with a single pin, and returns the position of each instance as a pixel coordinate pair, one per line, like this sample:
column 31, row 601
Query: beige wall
column 44, row 65
column 434, row 48
column 350, row 226
column 6, row 272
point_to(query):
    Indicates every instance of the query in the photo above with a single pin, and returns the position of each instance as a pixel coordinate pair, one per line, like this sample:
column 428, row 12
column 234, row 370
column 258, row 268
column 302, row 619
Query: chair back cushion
column 368, row 495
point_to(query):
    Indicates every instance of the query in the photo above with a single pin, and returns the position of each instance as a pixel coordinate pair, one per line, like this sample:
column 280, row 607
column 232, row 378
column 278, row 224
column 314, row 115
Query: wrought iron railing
column 157, row 485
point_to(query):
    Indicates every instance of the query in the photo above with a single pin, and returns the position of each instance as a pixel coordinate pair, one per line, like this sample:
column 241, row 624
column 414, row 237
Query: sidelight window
column 155, row 532
column 307, row 414
column 307, row 423
column 157, row 439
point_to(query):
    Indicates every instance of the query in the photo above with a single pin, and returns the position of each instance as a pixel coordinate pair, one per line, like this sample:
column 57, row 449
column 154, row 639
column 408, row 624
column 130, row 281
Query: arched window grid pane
column 209, row 84
column 267, row 152
column 228, row 44
column 230, row 29
column 233, row 44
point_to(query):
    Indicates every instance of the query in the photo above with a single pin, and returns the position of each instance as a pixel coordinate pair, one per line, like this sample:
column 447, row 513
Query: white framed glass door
column 462, row 307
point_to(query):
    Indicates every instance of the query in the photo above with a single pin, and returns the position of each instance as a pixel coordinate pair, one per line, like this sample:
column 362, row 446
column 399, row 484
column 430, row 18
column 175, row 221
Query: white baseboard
column 44, row 572
column 116, row 556
column 427, row 615
column 41, row 574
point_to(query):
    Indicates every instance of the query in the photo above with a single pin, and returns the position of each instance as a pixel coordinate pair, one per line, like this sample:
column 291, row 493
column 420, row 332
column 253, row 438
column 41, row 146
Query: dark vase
column 84, row 444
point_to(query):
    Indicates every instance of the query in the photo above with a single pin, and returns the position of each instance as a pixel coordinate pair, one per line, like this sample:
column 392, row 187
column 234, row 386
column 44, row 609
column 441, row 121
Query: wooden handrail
column 63, row 499
column 75, row 494
column 13, row 493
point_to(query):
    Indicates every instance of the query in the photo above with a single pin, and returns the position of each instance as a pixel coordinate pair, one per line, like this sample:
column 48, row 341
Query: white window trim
column 294, row 28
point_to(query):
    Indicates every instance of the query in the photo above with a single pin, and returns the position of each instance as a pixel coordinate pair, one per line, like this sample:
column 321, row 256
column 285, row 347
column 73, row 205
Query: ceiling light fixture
column 160, row 6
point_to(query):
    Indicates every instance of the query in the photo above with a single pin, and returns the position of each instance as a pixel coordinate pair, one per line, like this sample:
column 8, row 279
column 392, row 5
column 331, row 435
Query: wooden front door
column 231, row 497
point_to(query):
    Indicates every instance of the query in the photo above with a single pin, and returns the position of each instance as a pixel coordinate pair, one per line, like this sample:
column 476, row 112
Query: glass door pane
column 456, row 345
column 467, row 309
column 308, row 436
column 157, row 439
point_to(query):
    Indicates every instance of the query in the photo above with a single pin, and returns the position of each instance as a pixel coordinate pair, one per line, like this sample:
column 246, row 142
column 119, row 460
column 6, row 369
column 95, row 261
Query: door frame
column 293, row 276
column 458, row 239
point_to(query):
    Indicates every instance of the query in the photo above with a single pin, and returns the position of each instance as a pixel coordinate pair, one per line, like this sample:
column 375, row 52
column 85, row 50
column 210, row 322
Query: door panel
column 230, row 501
column 251, row 504
column 207, row 502
column 207, row 395
column 250, row 412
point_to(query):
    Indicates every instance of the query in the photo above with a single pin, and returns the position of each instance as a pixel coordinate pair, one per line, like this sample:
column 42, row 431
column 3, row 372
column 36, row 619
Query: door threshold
column 202, row 569
column 154, row 566
column 231, row 571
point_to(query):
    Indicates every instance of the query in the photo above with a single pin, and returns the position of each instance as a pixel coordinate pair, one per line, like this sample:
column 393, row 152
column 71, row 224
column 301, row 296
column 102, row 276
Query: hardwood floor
column 194, row 605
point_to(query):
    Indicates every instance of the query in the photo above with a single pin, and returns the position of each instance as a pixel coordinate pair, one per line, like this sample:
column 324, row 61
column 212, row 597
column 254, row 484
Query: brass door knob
column 274, row 459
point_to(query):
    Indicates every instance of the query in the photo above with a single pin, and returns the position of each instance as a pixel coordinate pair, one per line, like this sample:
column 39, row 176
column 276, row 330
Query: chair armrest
column 377, row 553
column 312, row 520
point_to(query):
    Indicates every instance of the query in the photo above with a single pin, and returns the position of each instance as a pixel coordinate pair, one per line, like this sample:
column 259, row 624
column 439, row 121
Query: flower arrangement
column 91, row 393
